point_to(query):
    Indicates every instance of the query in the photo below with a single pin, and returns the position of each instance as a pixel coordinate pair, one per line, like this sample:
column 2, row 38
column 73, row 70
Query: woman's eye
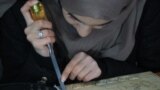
column 71, row 17
column 101, row 26
column 98, row 27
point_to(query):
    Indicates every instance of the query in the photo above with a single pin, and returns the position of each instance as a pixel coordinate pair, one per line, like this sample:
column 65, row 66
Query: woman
column 91, row 21
column 92, row 39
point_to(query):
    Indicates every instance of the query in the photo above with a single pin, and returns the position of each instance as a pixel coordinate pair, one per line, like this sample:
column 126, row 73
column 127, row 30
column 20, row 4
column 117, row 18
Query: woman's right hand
column 34, row 28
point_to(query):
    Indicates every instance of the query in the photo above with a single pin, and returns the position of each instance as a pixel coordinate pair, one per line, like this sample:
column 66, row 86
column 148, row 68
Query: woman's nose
column 85, row 27
column 84, row 30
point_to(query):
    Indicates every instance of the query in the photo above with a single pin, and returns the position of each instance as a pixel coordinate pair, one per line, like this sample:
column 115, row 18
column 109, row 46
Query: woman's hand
column 39, row 33
column 83, row 67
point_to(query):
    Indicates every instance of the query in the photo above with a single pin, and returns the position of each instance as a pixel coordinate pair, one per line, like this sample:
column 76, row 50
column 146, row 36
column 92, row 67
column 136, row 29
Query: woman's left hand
column 83, row 67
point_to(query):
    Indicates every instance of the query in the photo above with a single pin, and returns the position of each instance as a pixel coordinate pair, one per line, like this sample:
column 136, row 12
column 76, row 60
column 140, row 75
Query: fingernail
column 63, row 79
column 72, row 77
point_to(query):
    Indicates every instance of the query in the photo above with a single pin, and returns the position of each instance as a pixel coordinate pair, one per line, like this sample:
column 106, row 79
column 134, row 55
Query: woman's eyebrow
column 85, row 23
column 105, row 23
column 75, row 18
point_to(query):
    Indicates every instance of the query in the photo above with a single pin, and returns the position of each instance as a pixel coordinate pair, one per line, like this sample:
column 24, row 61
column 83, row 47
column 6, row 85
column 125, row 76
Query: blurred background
column 5, row 4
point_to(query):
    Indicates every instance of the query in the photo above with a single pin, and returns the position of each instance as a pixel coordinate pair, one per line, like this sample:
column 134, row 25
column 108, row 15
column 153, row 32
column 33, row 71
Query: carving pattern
column 140, row 81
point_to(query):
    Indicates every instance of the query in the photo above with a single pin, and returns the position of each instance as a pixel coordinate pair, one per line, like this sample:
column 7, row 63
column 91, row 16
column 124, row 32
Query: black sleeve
column 148, row 37
column 21, row 63
column 112, row 68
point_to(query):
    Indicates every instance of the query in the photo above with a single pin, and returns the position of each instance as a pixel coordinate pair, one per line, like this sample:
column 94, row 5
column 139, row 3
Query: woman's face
column 84, row 25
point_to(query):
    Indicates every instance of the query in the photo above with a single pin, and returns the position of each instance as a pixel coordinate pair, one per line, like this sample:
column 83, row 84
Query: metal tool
column 37, row 13
column 56, row 67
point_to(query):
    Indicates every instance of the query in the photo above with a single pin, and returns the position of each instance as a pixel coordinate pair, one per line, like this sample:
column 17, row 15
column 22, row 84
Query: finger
column 80, row 67
column 41, row 43
column 46, row 33
column 41, row 46
column 25, row 11
column 92, row 75
column 86, row 71
column 71, row 65
column 37, row 26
